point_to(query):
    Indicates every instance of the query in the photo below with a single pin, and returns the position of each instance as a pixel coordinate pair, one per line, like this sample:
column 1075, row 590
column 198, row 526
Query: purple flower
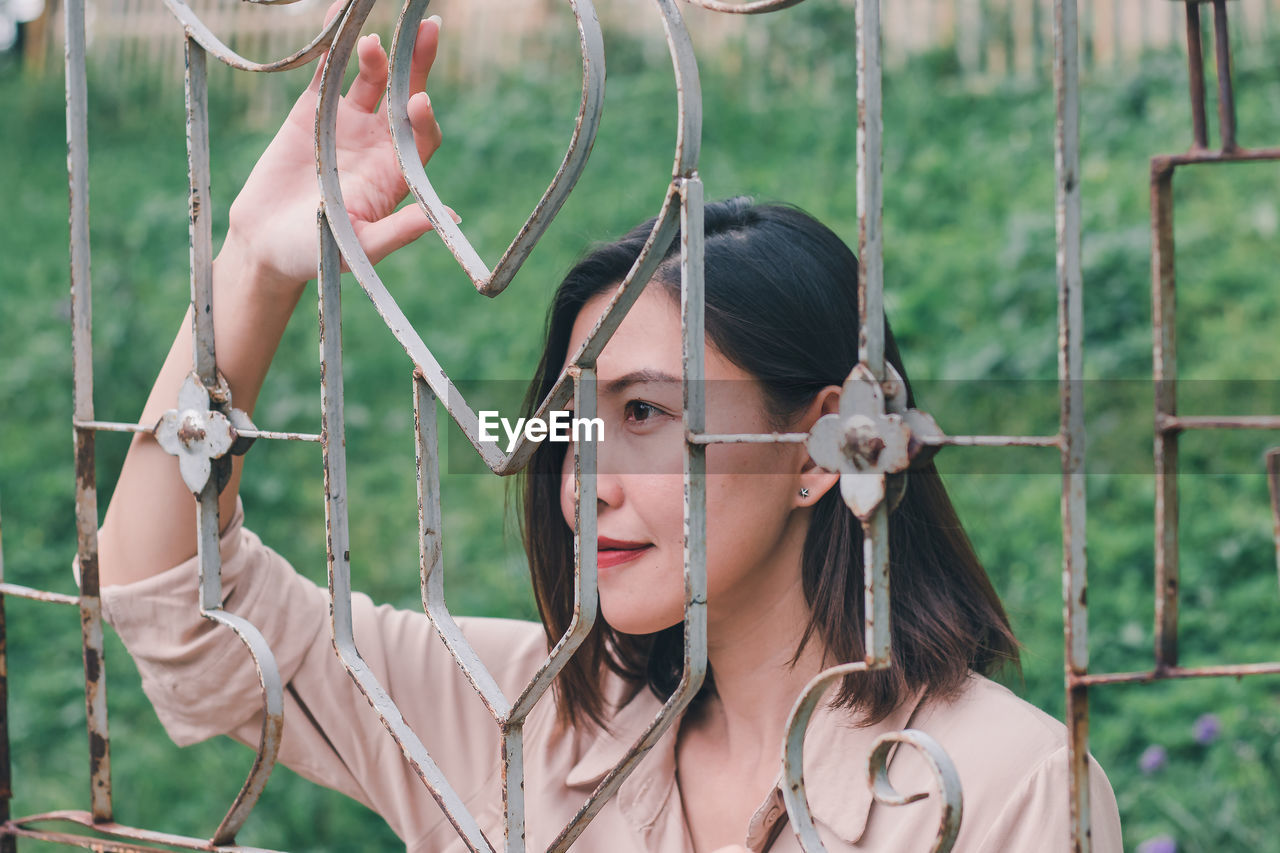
column 1206, row 729
column 1158, row 844
column 1153, row 759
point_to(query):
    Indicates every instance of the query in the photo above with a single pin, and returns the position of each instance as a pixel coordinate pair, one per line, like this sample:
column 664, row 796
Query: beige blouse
column 1011, row 757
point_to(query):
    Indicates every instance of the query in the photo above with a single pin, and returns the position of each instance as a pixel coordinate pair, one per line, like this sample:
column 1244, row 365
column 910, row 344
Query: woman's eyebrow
column 636, row 377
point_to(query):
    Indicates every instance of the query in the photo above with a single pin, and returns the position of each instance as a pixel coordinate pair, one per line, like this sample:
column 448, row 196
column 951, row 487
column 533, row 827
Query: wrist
column 237, row 263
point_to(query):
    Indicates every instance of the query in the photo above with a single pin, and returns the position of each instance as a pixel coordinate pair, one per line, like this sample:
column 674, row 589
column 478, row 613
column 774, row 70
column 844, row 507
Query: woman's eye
column 640, row 412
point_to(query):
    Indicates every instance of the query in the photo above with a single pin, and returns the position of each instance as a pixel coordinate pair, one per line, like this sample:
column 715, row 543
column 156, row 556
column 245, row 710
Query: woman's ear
column 814, row 482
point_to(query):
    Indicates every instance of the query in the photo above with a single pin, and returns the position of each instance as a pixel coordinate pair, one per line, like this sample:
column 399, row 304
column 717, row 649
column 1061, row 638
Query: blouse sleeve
column 201, row 680
column 1036, row 816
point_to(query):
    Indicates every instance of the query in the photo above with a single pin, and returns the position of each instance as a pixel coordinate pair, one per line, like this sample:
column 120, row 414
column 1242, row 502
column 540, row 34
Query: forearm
column 151, row 522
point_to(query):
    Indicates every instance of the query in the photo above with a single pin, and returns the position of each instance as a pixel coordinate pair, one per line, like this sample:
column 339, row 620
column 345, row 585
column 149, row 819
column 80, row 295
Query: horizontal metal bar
column 1168, row 673
column 283, row 436
column 114, row 426
column 142, row 839
column 19, row 591
column 991, row 440
column 932, row 441
column 1196, row 155
column 1177, row 423
column 747, row 438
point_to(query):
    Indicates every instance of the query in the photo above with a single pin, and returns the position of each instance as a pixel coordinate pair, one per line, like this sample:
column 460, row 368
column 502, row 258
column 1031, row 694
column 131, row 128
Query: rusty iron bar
column 1273, row 486
column 1164, row 302
column 870, row 194
column 115, row 426
column 7, row 842
column 932, row 441
column 871, row 339
column 1066, row 84
column 118, row 836
column 1179, row 423
column 1168, row 673
column 86, row 502
column 1226, row 96
column 1195, row 72
column 205, row 369
column 19, row 591
column 1239, row 155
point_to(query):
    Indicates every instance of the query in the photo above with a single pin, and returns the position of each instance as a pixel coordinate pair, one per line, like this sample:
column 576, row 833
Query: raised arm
column 258, row 277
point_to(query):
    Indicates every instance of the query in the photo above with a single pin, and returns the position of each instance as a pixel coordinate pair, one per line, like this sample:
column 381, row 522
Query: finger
column 400, row 228
column 366, row 90
column 424, row 53
column 426, row 130
column 328, row 17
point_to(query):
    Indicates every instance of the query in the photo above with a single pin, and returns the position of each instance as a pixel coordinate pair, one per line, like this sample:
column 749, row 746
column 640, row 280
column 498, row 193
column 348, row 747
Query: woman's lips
column 614, row 552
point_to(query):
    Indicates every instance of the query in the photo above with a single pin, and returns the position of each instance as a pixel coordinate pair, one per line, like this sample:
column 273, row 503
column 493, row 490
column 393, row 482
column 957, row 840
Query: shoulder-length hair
column 781, row 303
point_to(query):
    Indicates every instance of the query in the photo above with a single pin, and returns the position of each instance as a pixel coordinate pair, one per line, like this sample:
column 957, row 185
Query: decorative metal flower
column 871, row 438
column 197, row 433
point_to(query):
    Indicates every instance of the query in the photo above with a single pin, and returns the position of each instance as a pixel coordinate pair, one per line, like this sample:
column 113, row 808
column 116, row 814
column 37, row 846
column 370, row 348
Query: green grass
column 969, row 263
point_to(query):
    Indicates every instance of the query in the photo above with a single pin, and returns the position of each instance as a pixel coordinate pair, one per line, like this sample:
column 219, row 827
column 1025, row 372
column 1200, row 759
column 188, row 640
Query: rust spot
column 92, row 665
column 97, row 749
column 85, row 469
column 191, row 431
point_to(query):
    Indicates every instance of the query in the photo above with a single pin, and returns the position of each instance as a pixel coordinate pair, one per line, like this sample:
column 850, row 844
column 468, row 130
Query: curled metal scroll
column 793, row 792
column 204, row 36
column 492, row 282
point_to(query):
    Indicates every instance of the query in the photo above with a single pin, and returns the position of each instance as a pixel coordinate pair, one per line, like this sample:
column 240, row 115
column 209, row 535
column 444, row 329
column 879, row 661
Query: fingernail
column 438, row 20
column 377, row 39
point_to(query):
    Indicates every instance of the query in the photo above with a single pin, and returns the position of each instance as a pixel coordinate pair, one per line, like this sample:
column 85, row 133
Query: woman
column 784, row 573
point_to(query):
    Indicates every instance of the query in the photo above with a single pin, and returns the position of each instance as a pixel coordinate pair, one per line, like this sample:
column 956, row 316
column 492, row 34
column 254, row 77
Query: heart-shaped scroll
column 688, row 136
column 492, row 282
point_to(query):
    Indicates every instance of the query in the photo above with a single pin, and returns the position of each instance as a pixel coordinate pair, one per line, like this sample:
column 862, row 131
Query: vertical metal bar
column 875, row 561
column 869, row 191
column 82, row 358
column 8, row 844
column 1164, row 305
column 1273, row 483
column 513, row 786
column 1226, row 96
column 693, row 321
column 1066, row 80
column 1195, row 71
column 200, row 225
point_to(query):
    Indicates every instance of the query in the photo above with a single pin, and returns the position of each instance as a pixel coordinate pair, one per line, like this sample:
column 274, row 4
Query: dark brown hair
column 781, row 303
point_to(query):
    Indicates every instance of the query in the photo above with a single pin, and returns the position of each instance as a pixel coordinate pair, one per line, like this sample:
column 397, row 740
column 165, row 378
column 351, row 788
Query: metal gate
column 204, row 427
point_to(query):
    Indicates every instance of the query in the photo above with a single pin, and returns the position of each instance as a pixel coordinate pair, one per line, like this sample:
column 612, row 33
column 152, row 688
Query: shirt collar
column 835, row 763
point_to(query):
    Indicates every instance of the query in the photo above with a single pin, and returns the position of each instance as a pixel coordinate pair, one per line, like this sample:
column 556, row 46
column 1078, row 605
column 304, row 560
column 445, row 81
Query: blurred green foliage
column 969, row 263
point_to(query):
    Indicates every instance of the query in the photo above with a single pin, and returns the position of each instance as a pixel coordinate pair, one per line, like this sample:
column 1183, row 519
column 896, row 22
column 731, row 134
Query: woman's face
column 754, row 535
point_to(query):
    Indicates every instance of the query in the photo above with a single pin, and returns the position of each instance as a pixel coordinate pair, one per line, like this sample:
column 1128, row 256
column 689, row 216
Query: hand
column 273, row 224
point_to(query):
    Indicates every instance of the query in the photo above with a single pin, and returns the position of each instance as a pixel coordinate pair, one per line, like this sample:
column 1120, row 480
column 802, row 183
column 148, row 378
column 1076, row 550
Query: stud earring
column 804, row 493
